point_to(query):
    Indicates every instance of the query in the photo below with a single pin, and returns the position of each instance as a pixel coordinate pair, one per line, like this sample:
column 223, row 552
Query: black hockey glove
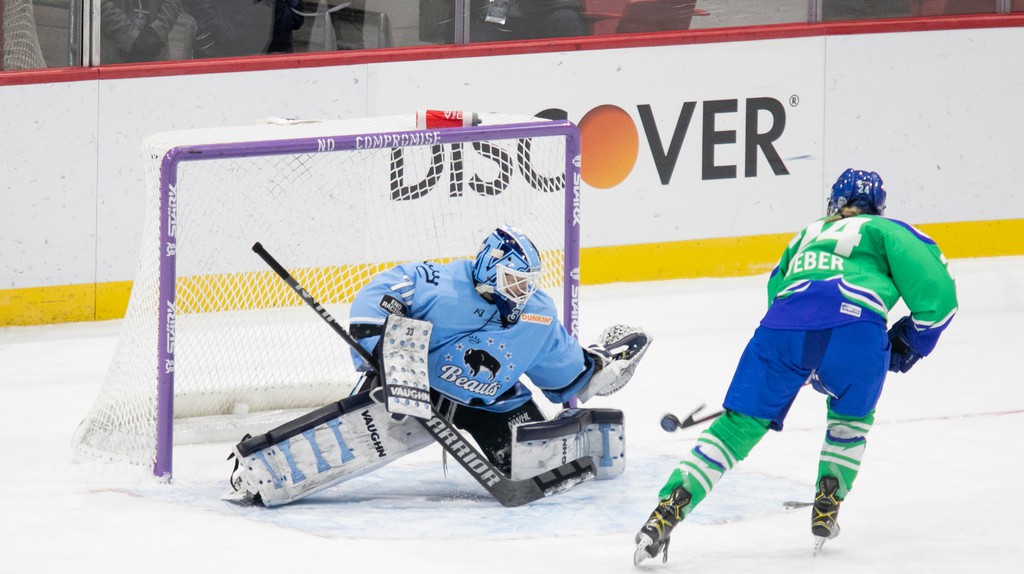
column 147, row 46
column 902, row 357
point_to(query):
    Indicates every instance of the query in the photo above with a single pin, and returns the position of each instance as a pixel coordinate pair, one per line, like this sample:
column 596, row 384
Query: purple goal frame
column 331, row 144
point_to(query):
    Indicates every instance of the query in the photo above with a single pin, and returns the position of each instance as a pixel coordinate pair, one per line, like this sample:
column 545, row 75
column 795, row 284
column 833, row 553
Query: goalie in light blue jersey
column 491, row 327
column 470, row 331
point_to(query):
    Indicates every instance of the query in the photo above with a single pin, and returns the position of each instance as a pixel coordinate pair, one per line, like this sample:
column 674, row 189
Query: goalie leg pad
column 321, row 449
column 573, row 434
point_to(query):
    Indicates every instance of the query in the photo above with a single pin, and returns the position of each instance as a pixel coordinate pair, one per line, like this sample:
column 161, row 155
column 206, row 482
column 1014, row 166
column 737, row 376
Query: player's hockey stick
column 507, row 491
column 671, row 422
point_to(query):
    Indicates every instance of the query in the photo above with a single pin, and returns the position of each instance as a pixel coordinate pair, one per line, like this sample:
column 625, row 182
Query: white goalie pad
column 573, row 434
column 405, row 345
column 357, row 437
column 618, row 352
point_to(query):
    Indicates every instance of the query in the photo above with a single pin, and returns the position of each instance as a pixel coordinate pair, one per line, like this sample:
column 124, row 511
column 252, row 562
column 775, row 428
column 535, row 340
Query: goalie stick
column 508, row 492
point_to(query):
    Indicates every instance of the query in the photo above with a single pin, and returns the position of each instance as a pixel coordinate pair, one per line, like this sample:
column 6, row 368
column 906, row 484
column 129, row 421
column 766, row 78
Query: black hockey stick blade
column 566, row 476
column 671, row 422
column 689, row 421
column 505, row 490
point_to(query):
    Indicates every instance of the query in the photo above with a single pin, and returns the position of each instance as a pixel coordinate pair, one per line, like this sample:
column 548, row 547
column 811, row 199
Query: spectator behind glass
column 226, row 28
column 136, row 30
column 496, row 20
column 863, row 9
column 286, row 21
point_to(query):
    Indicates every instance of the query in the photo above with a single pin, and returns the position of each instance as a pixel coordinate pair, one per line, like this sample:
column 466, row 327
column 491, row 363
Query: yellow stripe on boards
column 742, row 256
column 112, row 299
column 718, row 257
column 964, row 239
column 42, row 305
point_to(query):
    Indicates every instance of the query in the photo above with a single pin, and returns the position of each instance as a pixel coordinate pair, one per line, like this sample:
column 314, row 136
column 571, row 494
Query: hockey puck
column 669, row 423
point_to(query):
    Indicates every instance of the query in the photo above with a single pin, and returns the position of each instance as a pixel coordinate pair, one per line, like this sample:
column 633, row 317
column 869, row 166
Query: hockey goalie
column 443, row 349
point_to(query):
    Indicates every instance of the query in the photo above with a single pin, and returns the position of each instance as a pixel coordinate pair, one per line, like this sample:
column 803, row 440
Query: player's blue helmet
column 858, row 188
column 508, row 267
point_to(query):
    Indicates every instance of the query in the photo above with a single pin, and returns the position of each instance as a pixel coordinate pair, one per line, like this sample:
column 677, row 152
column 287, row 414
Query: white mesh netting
column 19, row 40
column 246, row 348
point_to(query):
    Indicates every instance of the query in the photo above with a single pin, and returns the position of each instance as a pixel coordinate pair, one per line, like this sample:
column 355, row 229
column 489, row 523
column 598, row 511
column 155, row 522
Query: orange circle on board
column 610, row 145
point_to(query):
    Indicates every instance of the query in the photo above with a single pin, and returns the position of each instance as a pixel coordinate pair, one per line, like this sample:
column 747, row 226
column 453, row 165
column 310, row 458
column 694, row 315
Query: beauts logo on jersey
column 455, row 375
column 480, row 360
column 481, row 372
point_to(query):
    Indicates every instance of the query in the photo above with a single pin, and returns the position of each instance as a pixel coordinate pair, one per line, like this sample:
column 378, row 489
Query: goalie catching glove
column 616, row 356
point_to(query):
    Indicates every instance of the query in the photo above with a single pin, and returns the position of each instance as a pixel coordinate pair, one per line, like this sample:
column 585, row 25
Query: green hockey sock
column 726, row 442
column 845, row 440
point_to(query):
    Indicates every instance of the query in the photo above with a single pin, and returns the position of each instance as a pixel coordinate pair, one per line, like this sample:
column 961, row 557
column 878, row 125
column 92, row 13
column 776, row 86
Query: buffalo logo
column 478, row 360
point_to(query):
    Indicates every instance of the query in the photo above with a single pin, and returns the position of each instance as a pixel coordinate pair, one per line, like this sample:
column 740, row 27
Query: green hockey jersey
column 837, row 271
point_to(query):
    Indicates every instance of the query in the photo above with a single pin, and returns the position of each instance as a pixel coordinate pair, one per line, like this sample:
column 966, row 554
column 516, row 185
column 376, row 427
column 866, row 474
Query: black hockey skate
column 653, row 538
column 239, row 494
column 825, row 512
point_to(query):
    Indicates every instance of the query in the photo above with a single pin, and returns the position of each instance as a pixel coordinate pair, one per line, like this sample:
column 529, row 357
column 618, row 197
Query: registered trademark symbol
column 794, row 100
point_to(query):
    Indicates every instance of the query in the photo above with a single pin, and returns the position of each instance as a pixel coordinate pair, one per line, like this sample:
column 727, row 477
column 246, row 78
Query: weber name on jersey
column 472, row 359
column 837, row 271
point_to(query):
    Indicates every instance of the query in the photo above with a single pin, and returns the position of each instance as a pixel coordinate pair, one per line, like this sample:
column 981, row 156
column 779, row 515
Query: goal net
column 214, row 344
column 19, row 40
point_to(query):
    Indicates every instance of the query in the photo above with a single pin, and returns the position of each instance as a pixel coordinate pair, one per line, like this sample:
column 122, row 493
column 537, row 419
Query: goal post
column 213, row 344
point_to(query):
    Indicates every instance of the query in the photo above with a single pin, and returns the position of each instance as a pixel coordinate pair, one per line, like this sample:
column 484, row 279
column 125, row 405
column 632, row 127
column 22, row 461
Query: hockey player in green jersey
column 829, row 300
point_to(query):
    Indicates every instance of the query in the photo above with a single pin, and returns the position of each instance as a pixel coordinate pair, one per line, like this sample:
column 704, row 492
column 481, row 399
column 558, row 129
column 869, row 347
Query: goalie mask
column 507, row 268
column 857, row 188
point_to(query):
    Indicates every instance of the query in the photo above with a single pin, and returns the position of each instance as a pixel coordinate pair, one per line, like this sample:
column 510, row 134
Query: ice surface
column 937, row 492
